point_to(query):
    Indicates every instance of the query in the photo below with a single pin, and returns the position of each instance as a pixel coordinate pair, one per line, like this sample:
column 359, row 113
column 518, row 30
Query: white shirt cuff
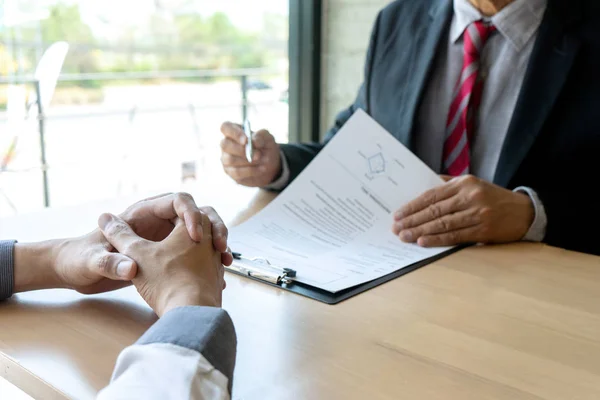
column 537, row 230
column 164, row 371
column 284, row 179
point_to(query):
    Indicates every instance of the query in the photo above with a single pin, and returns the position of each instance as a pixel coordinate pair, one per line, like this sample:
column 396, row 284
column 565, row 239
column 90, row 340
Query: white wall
column 347, row 28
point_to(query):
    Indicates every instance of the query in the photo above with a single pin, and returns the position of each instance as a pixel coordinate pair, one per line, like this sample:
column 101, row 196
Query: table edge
column 27, row 381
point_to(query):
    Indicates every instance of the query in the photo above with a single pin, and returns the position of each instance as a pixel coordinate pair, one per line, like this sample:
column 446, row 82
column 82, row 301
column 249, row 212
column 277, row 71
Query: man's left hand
column 89, row 264
column 464, row 210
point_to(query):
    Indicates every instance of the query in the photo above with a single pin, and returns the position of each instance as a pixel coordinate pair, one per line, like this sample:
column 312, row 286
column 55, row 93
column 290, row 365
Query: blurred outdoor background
column 142, row 92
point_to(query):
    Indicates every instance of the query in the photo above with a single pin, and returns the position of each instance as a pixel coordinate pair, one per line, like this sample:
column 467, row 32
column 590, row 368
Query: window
column 142, row 92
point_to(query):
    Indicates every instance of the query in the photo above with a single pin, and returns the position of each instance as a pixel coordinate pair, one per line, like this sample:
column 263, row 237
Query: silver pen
column 249, row 144
column 266, row 272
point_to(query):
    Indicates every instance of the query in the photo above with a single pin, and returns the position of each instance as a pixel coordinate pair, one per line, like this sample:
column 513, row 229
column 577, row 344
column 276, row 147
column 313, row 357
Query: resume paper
column 333, row 223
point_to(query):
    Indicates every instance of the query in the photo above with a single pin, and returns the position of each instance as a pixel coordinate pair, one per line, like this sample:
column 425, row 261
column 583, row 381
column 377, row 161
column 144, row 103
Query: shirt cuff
column 207, row 330
column 281, row 182
column 164, row 371
column 7, row 269
column 537, row 230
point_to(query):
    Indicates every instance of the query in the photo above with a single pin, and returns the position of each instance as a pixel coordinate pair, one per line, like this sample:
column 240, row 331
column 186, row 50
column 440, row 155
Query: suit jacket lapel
column 549, row 66
column 424, row 49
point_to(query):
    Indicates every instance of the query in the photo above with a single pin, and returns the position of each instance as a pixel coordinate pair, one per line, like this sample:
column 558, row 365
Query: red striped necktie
column 460, row 126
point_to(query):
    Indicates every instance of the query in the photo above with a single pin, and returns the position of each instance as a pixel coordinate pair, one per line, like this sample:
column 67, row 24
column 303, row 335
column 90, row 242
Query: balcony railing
column 244, row 77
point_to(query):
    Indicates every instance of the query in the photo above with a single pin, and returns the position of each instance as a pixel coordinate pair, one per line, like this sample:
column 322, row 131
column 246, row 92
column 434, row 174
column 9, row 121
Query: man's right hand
column 172, row 273
column 266, row 163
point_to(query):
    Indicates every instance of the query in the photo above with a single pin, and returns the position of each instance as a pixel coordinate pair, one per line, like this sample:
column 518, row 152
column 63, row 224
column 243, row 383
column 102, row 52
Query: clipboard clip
column 261, row 269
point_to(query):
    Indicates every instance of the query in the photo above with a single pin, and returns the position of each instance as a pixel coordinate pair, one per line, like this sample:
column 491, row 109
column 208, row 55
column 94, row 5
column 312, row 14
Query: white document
column 333, row 224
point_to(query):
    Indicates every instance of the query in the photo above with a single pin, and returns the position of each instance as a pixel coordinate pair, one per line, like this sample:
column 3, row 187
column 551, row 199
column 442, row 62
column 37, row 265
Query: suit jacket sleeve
column 189, row 354
column 298, row 156
column 6, row 269
column 570, row 199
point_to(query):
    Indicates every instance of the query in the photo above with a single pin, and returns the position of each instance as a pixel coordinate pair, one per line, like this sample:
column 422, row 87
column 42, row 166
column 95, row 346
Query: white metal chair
column 19, row 108
column 48, row 70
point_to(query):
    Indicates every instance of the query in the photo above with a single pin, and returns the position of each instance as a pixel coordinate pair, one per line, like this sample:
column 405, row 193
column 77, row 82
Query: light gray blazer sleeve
column 7, row 269
column 207, row 330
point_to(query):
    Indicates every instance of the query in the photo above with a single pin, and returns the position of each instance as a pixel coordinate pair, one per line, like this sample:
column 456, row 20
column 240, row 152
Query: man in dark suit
column 499, row 96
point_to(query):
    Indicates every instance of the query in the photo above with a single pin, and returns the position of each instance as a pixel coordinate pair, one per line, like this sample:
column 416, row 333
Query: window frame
column 305, row 70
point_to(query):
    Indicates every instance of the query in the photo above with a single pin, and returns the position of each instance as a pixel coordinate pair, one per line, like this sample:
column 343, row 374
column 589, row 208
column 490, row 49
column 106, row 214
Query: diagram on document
column 376, row 165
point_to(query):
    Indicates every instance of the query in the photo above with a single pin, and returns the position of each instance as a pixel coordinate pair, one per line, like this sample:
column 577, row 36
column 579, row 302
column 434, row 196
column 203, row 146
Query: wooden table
column 507, row 322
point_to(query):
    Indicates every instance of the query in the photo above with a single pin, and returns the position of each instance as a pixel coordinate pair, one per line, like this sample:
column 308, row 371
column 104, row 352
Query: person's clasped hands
column 174, row 272
column 171, row 249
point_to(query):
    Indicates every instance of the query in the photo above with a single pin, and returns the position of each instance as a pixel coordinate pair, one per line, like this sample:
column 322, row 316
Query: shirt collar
column 517, row 22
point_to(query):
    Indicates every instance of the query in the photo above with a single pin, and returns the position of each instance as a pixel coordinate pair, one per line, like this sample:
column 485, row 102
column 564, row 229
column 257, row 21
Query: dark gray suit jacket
column 554, row 135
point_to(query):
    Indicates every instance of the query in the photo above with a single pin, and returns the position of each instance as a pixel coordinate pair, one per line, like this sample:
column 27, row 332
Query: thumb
column 120, row 235
column 115, row 266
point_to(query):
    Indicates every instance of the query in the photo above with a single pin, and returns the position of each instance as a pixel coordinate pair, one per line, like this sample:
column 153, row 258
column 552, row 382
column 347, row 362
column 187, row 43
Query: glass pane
column 143, row 90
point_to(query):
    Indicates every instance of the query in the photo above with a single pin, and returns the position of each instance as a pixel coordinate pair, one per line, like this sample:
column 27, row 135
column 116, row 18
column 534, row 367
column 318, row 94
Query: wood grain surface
column 514, row 322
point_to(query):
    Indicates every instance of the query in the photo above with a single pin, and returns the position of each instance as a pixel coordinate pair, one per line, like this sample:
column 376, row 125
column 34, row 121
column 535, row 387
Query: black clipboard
column 279, row 278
